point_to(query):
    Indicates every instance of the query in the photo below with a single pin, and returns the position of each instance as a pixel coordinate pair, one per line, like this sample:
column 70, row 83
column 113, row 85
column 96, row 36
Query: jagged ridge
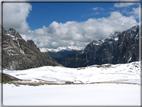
column 118, row 48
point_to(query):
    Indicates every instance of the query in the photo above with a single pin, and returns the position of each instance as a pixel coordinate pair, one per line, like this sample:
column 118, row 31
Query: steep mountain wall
column 119, row 48
column 19, row 54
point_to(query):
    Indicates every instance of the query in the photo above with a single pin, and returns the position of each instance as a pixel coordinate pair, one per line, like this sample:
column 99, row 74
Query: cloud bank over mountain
column 79, row 34
column 70, row 33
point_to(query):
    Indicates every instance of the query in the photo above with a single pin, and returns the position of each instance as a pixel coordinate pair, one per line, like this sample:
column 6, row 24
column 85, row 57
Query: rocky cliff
column 121, row 47
column 19, row 54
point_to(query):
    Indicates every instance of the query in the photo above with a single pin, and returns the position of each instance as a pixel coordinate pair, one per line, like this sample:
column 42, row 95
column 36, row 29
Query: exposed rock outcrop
column 19, row 54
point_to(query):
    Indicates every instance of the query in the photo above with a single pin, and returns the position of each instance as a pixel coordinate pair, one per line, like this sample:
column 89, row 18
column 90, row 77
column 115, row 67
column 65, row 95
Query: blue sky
column 63, row 12
column 53, row 25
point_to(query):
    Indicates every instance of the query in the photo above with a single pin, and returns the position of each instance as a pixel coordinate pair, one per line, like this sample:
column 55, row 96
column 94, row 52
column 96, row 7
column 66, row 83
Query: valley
column 120, row 47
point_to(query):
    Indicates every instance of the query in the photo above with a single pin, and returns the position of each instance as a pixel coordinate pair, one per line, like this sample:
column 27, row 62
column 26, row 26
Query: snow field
column 120, row 72
column 84, row 94
column 92, row 94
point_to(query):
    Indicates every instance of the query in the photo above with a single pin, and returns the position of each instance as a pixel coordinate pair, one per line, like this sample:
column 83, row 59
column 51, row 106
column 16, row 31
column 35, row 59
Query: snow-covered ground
column 78, row 94
column 129, row 72
column 91, row 94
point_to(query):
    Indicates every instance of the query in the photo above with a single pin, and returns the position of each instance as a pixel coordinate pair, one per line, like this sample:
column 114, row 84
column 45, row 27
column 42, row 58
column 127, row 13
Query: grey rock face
column 128, row 46
column 119, row 48
column 17, row 54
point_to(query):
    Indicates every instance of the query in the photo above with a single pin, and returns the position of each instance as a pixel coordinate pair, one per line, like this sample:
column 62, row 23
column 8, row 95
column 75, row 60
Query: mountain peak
column 19, row 54
column 97, row 42
column 12, row 31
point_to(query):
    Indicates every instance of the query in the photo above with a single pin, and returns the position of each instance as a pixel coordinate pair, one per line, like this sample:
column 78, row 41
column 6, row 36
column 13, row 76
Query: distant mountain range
column 19, row 54
column 118, row 48
column 60, row 54
column 68, row 48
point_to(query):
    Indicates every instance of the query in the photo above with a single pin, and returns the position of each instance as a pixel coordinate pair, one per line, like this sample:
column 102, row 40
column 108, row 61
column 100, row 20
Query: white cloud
column 97, row 8
column 136, row 12
column 118, row 5
column 115, row 15
column 79, row 34
column 96, row 13
column 15, row 14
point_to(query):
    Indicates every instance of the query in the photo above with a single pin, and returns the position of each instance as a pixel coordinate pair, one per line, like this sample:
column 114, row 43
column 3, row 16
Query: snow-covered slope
column 129, row 72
